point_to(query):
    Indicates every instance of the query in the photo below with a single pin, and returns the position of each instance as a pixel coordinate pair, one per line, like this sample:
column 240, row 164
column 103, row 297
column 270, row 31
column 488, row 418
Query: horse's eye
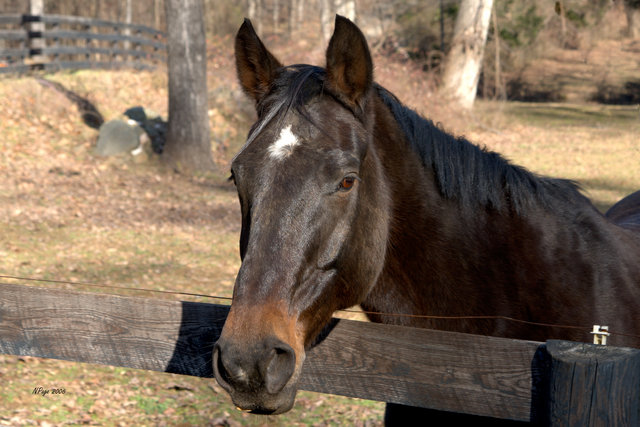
column 347, row 183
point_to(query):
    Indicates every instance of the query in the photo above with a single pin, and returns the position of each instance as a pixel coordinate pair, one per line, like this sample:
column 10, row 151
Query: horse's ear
column 349, row 65
column 255, row 65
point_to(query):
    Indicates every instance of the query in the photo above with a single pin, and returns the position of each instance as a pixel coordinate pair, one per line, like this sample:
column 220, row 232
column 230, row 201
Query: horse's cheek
column 368, row 244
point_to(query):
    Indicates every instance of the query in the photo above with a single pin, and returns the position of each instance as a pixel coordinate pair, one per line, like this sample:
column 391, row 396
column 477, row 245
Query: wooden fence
column 56, row 42
column 554, row 383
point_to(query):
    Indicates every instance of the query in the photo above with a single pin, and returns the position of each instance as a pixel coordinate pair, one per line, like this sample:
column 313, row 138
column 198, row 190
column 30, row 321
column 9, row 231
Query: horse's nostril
column 223, row 375
column 279, row 366
column 268, row 366
column 218, row 368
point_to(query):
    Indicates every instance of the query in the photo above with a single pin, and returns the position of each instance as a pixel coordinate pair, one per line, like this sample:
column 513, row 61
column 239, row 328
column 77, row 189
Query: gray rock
column 117, row 137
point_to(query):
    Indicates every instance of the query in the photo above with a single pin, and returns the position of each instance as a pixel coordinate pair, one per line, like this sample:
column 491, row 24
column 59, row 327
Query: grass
column 67, row 215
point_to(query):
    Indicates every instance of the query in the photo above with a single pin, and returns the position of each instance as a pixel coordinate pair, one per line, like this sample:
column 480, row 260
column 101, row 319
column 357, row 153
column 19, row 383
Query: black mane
column 475, row 175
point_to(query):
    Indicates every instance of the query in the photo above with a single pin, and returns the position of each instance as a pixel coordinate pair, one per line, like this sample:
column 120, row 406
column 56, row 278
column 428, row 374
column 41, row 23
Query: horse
column 349, row 197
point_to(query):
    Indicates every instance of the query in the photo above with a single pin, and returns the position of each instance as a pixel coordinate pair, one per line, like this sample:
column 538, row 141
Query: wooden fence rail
column 553, row 383
column 73, row 42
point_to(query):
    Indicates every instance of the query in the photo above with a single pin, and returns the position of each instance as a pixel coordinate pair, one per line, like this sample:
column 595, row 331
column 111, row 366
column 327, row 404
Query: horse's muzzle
column 256, row 376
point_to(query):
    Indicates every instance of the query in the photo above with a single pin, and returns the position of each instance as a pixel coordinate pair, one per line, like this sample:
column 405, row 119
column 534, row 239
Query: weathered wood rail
column 553, row 383
column 74, row 42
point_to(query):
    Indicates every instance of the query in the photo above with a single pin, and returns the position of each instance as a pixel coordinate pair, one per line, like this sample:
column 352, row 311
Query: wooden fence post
column 586, row 384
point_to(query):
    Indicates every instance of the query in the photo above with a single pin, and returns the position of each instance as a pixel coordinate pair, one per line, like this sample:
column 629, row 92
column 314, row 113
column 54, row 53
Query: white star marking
column 284, row 145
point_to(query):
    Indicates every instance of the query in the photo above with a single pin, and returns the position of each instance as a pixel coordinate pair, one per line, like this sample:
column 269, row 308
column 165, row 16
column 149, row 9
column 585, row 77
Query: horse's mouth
column 257, row 411
column 263, row 411
column 278, row 406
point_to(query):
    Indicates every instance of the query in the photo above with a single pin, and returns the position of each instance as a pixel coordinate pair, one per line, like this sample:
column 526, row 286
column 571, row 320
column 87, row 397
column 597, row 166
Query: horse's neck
column 436, row 259
column 425, row 235
column 446, row 261
column 567, row 265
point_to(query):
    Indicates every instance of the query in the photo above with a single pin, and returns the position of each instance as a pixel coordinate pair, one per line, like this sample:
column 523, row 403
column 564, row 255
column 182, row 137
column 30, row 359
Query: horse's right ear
column 255, row 65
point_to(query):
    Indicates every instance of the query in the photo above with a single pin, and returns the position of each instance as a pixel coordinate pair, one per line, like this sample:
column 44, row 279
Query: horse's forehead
column 284, row 145
column 277, row 140
column 297, row 139
column 300, row 140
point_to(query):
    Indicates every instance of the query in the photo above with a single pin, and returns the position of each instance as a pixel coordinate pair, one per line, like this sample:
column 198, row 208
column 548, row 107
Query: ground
column 128, row 222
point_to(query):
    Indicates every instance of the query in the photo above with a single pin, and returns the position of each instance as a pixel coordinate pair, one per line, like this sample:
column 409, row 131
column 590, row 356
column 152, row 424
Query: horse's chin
column 265, row 404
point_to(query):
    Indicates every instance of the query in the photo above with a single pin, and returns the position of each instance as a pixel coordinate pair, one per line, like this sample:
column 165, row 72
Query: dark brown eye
column 347, row 183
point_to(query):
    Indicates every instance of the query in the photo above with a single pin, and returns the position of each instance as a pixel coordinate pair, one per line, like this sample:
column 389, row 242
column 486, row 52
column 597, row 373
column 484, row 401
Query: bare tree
column 296, row 15
column 157, row 4
column 188, row 145
column 498, row 89
column 326, row 18
column 300, row 13
column 36, row 7
column 346, row 8
column 255, row 13
column 127, row 20
column 632, row 11
column 328, row 8
column 464, row 60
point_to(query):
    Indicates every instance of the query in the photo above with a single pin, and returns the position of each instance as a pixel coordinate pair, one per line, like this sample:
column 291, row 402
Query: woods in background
column 415, row 23
column 520, row 31
column 494, row 49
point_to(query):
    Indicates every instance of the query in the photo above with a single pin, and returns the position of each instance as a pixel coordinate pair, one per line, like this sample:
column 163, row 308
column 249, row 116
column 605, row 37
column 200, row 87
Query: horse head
column 314, row 213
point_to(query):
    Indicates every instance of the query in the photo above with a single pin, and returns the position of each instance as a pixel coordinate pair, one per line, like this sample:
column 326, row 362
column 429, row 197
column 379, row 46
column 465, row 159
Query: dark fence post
column 587, row 384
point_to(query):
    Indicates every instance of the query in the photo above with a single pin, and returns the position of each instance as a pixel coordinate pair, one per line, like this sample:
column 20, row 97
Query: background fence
column 553, row 383
column 56, row 42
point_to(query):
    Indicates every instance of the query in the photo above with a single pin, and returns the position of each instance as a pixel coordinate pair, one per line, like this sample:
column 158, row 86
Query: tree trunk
column 326, row 19
column 36, row 7
column 346, row 8
column 632, row 12
column 276, row 15
column 293, row 16
column 156, row 14
column 188, row 145
column 251, row 9
column 127, row 20
column 255, row 14
column 498, row 90
column 464, row 60
column 441, row 27
column 300, row 14
column 560, row 10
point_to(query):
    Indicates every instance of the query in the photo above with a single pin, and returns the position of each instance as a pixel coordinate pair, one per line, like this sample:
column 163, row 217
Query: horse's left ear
column 256, row 66
column 349, row 65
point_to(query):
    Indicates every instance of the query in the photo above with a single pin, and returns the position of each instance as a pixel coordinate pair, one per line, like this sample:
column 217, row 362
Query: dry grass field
column 68, row 215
